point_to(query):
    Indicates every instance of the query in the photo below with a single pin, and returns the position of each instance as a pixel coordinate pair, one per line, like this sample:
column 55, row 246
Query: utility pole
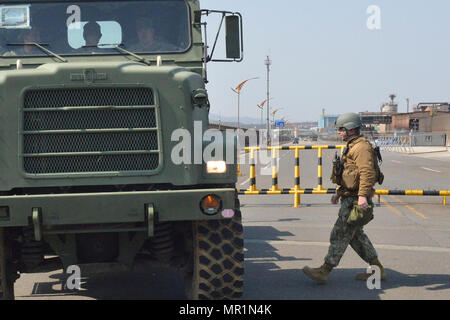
column 268, row 63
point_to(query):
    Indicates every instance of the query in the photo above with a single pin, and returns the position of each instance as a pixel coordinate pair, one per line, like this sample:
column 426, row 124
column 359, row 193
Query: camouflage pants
column 343, row 234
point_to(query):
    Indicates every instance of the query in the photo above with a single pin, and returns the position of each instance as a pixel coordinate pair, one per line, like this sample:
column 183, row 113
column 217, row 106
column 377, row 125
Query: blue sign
column 279, row 124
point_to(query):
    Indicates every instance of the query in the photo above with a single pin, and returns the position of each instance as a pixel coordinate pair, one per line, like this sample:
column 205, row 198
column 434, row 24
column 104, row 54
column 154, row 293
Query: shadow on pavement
column 269, row 233
column 269, row 275
column 292, row 284
column 139, row 284
column 264, row 280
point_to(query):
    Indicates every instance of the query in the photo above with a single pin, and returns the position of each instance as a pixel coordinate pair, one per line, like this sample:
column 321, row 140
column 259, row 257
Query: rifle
column 338, row 169
column 378, row 160
column 375, row 148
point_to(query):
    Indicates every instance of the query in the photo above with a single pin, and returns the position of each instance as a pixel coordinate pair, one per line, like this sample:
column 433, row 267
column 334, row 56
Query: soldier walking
column 356, row 174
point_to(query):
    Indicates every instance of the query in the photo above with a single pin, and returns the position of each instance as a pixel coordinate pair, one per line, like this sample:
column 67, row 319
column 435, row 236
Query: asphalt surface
column 410, row 233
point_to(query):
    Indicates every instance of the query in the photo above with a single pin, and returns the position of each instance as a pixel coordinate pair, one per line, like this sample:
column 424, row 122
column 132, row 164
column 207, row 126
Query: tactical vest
column 338, row 164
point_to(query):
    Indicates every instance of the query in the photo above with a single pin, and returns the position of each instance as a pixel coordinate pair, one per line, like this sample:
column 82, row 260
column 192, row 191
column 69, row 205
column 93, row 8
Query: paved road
column 411, row 235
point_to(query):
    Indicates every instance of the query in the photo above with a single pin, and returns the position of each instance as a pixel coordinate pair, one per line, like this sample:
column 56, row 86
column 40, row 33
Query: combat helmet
column 348, row 121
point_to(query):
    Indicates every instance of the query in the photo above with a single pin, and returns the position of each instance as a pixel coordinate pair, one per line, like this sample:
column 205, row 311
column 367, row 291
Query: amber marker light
column 210, row 204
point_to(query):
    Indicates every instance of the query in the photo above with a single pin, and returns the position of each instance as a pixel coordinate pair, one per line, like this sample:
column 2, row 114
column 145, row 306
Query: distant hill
column 251, row 122
column 243, row 120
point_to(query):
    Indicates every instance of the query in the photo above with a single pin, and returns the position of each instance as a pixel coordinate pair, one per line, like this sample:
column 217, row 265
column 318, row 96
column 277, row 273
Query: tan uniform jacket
column 359, row 175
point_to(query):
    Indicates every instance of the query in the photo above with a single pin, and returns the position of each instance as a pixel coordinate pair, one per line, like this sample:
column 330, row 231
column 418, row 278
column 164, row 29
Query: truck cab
column 91, row 94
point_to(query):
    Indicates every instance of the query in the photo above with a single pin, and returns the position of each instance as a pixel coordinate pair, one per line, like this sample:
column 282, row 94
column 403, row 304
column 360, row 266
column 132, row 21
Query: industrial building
column 430, row 117
column 418, row 121
column 326, row 122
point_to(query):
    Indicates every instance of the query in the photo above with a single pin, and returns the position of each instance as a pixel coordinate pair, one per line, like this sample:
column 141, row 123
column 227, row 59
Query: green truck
column 90, row 95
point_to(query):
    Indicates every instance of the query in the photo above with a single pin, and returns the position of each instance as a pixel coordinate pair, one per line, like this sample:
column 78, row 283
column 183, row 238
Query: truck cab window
column 80, row 28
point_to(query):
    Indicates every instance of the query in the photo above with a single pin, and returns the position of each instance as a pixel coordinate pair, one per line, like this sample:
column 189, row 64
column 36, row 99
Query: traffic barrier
column 397, row 144
column 297, row 190
column 407, row 142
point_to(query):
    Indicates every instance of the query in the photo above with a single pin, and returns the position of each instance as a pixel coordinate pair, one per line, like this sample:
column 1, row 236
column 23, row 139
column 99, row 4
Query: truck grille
column 90, row 130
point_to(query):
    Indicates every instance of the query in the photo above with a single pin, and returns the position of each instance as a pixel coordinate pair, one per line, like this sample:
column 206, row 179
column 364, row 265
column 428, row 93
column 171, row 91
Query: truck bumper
column 113, row 207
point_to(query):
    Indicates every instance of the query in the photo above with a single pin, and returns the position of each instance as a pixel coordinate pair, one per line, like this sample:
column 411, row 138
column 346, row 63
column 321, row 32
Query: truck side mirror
column 233, row 37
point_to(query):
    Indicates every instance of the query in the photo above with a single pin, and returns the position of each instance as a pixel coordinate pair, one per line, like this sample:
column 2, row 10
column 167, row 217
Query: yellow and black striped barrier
column 437, row 193
column 297, row 190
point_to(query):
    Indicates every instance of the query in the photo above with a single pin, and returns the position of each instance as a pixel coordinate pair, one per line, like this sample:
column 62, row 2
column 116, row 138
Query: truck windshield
column 94, row 27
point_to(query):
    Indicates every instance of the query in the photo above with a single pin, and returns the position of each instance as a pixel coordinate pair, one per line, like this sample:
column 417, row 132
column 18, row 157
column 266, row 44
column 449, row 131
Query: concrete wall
column 439, row 123
column 400, row 122
column 436, row 123
column 428, row 139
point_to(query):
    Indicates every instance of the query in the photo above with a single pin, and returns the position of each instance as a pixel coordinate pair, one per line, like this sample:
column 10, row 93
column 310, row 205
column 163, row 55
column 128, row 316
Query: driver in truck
column 148, row 40
column 92, row 34
column 26, row 36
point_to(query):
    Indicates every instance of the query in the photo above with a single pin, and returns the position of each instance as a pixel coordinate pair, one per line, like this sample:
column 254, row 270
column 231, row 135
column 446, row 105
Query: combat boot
column 320, row 275
column 365, row 276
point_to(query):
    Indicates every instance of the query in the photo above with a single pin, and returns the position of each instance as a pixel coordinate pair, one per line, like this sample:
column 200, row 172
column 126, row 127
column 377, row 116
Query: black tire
column 218, row 260
column 6, row 275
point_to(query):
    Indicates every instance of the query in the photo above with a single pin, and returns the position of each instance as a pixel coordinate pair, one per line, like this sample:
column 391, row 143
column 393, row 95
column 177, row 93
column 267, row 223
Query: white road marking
column 395, row 161
column 245, row 182
column 428, row 169
column 262, row 259
column 326, row 244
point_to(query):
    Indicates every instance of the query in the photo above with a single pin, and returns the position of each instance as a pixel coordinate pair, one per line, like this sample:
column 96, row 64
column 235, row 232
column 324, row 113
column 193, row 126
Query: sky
column 324, row 56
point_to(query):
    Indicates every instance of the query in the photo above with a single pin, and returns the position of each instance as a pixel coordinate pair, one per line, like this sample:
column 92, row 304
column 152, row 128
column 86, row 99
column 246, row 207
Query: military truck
column 90, row 94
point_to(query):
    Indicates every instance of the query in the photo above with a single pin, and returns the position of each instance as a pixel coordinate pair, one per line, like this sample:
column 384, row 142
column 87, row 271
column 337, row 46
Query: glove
column 360, row 217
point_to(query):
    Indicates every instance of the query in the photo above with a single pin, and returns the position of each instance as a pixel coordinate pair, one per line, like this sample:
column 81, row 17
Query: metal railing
column 395, row 143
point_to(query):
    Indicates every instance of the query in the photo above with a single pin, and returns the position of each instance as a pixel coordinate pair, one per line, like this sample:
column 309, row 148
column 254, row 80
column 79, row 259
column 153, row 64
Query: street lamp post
column 262, row 111
column 273, row 116
column 268, row 63
column 261, row 106
column 237, row 90
column 275, row 133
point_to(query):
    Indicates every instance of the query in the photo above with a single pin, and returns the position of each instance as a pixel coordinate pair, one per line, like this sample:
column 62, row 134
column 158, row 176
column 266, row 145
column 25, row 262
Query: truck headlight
column 200, row 97
column 216, row 167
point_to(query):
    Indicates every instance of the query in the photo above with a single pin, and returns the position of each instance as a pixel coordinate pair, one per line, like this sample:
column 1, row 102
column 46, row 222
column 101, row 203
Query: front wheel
column 7, row 276
column 218, row 259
